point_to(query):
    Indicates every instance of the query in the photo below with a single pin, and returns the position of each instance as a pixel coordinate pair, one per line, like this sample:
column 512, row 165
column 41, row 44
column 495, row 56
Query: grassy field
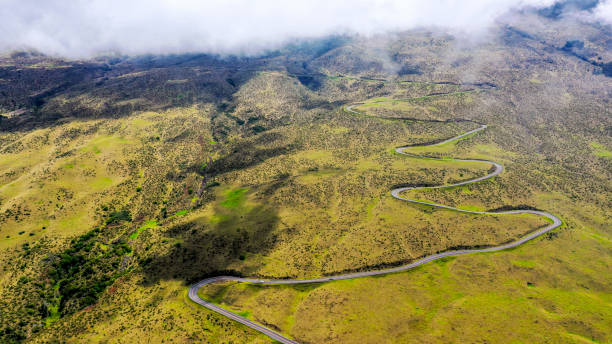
column 433, row 106
column 72, row 171
column 457, row 299
column 343, row 220
column 461, row 299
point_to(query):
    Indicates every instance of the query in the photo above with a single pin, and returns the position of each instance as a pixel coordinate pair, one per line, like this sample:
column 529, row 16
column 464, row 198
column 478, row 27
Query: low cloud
column 86, row 28
column 603, row 12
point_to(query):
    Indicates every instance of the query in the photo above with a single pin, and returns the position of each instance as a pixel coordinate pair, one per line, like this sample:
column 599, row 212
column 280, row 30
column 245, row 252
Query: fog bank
column 85, row 28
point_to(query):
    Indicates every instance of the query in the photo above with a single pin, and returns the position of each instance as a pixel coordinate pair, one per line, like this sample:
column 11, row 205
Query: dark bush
column 118, row 216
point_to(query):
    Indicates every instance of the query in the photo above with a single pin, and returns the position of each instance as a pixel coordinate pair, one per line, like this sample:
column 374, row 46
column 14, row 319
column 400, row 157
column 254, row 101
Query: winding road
column 556, row 222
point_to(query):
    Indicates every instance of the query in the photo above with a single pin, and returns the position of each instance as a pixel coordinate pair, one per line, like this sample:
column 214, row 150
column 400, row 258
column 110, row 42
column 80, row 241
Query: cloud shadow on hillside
column 211, row 246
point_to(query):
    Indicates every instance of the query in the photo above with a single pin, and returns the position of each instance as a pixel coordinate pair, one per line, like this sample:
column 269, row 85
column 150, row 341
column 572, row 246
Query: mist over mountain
column 83, row 29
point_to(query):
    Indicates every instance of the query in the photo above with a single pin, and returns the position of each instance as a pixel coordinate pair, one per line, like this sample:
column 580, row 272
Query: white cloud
column 84, row 28
column 603, row 12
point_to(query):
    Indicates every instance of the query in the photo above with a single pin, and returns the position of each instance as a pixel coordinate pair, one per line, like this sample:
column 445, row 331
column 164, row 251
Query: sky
column 86, row 28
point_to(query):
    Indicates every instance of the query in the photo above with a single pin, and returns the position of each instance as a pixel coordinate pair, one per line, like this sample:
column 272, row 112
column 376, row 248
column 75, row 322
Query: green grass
column 181, row 212
column 53, row 307
column 246, row 314
column 54, row 315
column 101, row 183
column 601, row 150
column 524, row 263
column 234, row 198
column 470, row 208
column 148, row 225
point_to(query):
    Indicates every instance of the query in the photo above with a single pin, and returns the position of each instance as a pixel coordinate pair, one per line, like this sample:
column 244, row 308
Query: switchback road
column 556, row 222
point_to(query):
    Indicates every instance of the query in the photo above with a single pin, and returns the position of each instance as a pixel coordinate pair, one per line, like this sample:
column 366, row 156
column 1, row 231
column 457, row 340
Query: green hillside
column 123, row 181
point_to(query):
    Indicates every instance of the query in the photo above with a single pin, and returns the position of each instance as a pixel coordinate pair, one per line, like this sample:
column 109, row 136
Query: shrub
column 118, row 216
column 212, row 184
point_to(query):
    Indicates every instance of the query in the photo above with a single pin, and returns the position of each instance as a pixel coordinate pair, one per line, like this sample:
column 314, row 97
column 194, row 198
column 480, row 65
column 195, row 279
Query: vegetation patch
column 181, row 212
column 101, row 183
column 234, row 198
column 80, row 274
column 470, row 207
column 601, row 150
column 119, row 216
column 524, row 263
column 148, row 225
column 246, row 314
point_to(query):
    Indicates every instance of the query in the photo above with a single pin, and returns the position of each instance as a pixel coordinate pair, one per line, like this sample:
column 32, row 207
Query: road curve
column 556, row 222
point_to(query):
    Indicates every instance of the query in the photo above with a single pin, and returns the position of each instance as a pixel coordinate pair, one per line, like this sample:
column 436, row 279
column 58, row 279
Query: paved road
column 556, row 222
